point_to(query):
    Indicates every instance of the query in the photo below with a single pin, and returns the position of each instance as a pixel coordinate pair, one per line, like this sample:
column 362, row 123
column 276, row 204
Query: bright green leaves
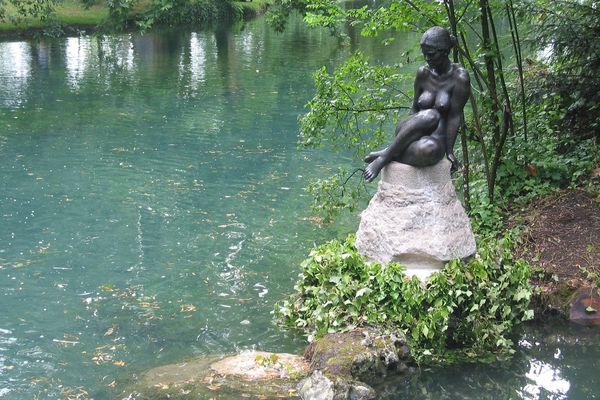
column 334, row 194
column 398, row 16
column 354, row 106
column 353, row 109
column 325, row 13
column 467, row 311
column 41, row 9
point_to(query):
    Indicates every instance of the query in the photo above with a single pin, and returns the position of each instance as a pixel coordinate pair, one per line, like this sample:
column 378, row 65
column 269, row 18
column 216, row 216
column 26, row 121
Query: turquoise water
column 152, row 204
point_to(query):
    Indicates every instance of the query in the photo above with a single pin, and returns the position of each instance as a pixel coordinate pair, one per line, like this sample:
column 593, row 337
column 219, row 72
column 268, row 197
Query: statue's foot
column 373, row 155
column 374, row 168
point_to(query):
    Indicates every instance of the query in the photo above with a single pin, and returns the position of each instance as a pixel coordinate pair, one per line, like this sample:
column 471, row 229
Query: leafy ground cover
column 467, row 311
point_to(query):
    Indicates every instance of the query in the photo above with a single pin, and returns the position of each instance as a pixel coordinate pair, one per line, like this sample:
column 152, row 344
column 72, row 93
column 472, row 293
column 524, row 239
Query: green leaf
column 363, row 292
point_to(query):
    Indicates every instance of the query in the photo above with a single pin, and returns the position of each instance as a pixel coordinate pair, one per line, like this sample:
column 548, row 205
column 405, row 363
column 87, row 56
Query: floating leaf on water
column 214, row 387
column 107, row 287
column 43, row 249
column 100, row 357
column 148, row 304
column 161, row 386
column 119, row 363
column 65, row 343
column 188, row 308
column 74, row 393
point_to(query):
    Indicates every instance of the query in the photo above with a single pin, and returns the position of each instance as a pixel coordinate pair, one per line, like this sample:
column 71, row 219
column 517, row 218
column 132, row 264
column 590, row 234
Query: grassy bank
column 72, row 14
column 68, row 12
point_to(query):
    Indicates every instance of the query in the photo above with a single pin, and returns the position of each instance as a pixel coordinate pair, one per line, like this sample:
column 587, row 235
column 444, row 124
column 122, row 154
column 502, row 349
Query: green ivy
column 466, row 312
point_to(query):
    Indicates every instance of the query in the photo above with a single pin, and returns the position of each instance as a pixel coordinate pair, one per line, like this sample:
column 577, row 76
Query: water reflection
column 142, row 198
column 546, row 379
column 15, row 69
column 77, row 52
column 196, row 65
column 119, row 53
column 554, row 361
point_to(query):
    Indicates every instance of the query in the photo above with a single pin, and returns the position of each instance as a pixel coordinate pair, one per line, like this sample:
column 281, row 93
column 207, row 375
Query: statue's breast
column 426, row 100
column 440, row 100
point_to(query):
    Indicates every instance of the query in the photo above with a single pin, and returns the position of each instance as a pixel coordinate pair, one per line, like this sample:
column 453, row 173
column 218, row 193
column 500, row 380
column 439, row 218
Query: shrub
column 466, row 311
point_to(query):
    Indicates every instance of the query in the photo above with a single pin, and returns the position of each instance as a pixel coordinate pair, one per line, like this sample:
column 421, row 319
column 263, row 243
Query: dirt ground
column 562, row 243
column 563, row 234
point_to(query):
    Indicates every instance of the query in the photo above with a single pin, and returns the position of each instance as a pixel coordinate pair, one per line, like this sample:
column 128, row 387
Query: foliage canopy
column 519, row 125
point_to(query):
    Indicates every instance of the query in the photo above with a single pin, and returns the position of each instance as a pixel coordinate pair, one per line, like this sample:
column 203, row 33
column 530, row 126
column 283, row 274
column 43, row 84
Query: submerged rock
column 321, row 387
column 415, row 219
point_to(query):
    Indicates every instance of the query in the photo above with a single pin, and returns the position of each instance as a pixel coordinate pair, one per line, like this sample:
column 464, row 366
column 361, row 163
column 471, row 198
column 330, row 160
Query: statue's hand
column 454, row 161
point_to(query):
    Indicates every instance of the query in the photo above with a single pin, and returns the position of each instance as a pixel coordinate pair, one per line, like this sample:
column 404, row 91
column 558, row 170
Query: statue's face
column 434, row 56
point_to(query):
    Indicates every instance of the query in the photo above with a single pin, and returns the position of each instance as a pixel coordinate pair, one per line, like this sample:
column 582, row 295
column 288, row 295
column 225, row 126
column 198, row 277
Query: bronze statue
column 441, row 91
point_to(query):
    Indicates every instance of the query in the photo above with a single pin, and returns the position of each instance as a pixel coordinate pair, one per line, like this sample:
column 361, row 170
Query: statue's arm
column 460, row 96
column 421, row 75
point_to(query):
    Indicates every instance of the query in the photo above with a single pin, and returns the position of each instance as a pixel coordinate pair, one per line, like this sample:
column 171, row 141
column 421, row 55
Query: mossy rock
column 555, row 298
column 257, row 375
column 368, row 355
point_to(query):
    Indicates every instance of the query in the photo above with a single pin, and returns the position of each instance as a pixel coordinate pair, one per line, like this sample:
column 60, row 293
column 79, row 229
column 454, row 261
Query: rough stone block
column 415, row 219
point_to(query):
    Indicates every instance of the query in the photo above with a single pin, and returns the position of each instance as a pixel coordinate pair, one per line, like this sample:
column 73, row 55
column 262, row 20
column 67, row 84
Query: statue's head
column 438, row 38
column 436, row 44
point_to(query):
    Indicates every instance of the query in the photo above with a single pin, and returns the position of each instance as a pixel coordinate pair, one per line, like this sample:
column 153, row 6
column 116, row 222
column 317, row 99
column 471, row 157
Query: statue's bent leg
column 423, row 152
column 373, row 155
column 417, row 126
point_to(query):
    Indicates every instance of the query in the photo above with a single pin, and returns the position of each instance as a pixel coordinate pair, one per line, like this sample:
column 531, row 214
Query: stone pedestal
column 415, row 219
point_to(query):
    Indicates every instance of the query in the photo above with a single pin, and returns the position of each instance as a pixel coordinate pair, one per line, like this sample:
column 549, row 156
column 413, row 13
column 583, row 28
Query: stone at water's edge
column 321, row 387
column 339, row 366
column 585, row 307
column 252, row 374
column 415, row 219
column 343, row 365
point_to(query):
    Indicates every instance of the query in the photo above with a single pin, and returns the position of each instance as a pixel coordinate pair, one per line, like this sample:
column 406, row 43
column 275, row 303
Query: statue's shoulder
column 423, row 72
column 461, row 74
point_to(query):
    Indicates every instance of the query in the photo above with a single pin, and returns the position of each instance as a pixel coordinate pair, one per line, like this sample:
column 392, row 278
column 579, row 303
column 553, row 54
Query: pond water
column 152, row 209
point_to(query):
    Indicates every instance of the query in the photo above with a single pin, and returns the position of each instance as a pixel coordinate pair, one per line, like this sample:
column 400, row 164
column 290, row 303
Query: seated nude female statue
column 441, row 91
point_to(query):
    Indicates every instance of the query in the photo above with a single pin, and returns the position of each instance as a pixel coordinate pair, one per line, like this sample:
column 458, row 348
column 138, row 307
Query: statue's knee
column 430, row 117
